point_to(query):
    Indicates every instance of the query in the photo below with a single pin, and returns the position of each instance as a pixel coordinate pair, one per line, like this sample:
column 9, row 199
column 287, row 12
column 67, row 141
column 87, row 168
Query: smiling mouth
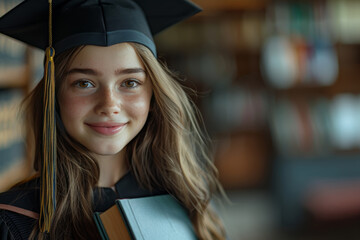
column 107, row 129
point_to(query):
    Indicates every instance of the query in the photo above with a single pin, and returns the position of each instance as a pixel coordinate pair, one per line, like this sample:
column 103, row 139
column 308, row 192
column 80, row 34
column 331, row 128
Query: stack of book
column 156, row 217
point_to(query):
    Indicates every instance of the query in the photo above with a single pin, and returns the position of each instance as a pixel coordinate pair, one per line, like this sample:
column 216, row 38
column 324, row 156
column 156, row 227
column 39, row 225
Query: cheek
column 72, row 108
column 139, row 107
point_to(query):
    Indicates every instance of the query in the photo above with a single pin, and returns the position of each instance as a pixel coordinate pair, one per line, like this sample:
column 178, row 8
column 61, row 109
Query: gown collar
column 126, row 187
column 26, row 195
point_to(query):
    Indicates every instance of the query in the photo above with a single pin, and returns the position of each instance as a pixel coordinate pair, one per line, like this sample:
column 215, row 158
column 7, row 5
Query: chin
column 106, row 153
column 110, row 151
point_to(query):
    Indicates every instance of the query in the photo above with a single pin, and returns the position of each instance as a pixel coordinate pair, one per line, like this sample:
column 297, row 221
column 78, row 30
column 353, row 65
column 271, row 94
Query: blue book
column 157, row 217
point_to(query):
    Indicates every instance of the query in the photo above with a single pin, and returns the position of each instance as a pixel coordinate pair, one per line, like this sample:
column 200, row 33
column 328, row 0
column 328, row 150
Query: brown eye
column 83, row 84
column 130, row 84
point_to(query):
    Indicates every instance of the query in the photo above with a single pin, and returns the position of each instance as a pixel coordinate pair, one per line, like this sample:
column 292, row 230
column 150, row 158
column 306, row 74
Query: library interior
column 276, row 84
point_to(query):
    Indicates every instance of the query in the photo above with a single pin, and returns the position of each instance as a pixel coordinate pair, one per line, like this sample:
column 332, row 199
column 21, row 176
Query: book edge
column 100, row 226
column 122, row 204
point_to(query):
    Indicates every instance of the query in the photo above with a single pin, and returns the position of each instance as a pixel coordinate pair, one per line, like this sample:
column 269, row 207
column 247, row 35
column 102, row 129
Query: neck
column 112, row 168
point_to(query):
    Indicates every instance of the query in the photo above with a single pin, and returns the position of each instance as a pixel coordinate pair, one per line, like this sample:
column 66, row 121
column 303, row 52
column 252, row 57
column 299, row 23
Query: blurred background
column 277, row 85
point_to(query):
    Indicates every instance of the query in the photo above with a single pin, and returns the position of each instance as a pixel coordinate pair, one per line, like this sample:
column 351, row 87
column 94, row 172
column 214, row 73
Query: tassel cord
column 48, row 170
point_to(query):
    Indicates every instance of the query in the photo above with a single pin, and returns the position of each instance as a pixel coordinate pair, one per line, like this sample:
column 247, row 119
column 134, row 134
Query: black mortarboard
column 93, row 22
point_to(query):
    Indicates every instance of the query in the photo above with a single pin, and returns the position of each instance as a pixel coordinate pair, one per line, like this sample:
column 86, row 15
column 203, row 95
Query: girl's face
column 105, row 97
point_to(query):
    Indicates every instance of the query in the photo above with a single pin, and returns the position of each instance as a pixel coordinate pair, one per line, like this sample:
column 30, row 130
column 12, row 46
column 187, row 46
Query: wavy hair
column 170, row 152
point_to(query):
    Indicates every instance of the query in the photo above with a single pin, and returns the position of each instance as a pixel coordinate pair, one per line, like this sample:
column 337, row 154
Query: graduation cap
column 93, row 22
column 58, row 25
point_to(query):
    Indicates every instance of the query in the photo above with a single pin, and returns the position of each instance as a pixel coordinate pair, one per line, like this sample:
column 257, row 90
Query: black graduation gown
column 14, row 226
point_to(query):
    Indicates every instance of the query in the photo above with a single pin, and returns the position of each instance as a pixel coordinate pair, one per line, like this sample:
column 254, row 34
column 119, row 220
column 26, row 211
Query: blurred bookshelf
column 15, row 83
column 231, row 5
column 278, row 89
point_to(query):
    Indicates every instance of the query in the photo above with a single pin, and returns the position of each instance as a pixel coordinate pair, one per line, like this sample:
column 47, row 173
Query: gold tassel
column 48, row 171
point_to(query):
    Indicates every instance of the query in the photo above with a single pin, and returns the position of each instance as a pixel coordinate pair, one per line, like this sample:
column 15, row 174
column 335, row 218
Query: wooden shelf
column 231, row 5
column 14, row 77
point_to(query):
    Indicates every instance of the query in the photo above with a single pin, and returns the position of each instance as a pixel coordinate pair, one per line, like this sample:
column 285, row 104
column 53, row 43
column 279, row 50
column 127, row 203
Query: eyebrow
column 90, row 71
column 129, row 71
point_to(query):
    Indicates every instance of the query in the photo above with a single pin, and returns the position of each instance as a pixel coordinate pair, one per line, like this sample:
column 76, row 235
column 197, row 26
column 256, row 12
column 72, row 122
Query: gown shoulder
column 14, row 225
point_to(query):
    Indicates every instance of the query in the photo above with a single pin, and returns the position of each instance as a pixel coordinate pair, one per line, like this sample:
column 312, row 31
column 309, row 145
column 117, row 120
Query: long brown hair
column 169, row 152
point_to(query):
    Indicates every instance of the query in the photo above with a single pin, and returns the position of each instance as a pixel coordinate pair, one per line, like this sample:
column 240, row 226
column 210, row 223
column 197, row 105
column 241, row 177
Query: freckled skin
column 105, row 93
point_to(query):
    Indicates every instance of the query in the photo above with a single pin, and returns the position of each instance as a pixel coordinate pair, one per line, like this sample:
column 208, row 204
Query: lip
column 106, row 128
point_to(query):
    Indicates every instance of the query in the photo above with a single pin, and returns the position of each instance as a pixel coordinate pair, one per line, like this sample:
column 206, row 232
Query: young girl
column 125, row 128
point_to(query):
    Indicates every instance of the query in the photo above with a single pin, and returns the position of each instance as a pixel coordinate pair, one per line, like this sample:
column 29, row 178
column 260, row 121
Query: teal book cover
column 156, row 217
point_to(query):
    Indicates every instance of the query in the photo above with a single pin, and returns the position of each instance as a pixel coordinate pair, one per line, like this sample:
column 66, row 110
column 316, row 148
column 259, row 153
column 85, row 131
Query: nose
column 109, row 103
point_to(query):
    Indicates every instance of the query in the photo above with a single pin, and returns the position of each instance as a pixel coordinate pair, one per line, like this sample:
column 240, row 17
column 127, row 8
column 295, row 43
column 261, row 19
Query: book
column 155, row 217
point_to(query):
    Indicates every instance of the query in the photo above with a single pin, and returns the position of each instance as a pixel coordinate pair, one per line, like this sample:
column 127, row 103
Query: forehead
column 122, row 55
